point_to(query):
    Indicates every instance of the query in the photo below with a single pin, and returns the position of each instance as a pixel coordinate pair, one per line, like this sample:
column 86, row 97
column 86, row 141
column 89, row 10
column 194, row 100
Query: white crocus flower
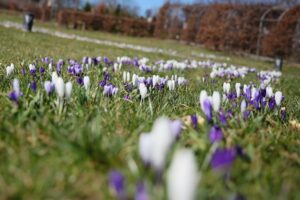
column 86, row 82
column 143, row 90
column 226, row 87
column 162, row 141
column 10, row 69
column 278, row 98
column 59, row 87
column 269, row 92
column 183, row 176
column 68, row 91
column 145, row 147
column 203, row 96
column 171, row 84
column 216, row 101
column 238, row 89
column 243, row 106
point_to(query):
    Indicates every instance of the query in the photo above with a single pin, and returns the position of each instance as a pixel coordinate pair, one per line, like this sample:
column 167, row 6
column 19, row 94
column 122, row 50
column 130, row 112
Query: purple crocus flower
column 283, row 114
column 246, row 114
column 116, row 182
column 272, row 103
column 79, row 80
column 16, row 93
column 223, row 118
column 78, row 69
column 141, row 193
column 13, row 96
column 215, row 134
column 106, row 60
column 207, row 109
column 126, row 97
column 42, row 70
column 194, row 121
column 223, row 158
column 85, row 60
column 49, row 87
column 33, row 72
column 102, row 83
column 23, row 71
column 176, row 128
column 33, row 86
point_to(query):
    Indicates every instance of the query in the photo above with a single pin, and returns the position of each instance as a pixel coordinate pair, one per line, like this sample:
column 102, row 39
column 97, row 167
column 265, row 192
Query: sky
column 143, row 5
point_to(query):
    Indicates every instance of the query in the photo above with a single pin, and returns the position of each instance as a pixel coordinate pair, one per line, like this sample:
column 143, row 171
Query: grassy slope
column 44, row 155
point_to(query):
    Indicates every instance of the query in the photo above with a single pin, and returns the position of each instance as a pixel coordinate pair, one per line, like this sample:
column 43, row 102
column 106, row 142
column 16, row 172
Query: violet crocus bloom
column 207, row 109
column 271, row 103
column 283, row 114
column 33, row 72
column 215, row 134
column 116, row 182
column 33, row 86
column 49, row 87
column 246, row 114
column 16, row 93
column 223, row 118
column 223, row 158
column 194, row 121
column 176, row 128
column 42, row 70
column 79, row 80
column 106, row 60
column 23, row 71
column 141, row 193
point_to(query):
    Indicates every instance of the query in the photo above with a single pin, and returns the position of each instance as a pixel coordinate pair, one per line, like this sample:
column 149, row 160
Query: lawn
column 49, row 151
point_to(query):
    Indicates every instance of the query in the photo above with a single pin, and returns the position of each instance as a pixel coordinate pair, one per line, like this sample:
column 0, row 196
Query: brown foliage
column 108, row 23
column 280, row 40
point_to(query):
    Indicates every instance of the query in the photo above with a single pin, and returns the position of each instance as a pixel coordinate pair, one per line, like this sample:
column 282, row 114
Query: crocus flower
column 243, row 106
column 238, row 89
column 216, row 101
column 49, row 87
column 226, row 87
column 141, row 193
column 154, row 146
column 223, row 158
column 203, row 96
column 223, row 118
column 59, row 87
column 10, row 69
column 194, row 121
column 33, row 86
column 246, row 114
column 283, row 114
column 269, row 92
column 68, row 90
column 143, row 90
column 42, row 70
column 278, row 98
column 183, row 176
column 171, row 84
column 207, row 109
column 271, row 103
column 32, row 69
column 145, row 147
column 86, row 82
column 116, row 182
column 215, row 134
column 176, row 128
column 16, row 93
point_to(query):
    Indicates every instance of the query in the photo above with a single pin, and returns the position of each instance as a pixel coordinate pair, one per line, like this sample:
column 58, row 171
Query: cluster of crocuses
column 247, row 99
column 231, row 72
column 182, row 174
column 144, row 84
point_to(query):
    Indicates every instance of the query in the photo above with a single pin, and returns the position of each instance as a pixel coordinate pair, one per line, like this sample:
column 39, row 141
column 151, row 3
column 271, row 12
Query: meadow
column 84, row 121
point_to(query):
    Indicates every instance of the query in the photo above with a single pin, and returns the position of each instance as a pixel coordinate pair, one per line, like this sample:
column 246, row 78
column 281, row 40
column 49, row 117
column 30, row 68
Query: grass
column 46, row 155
